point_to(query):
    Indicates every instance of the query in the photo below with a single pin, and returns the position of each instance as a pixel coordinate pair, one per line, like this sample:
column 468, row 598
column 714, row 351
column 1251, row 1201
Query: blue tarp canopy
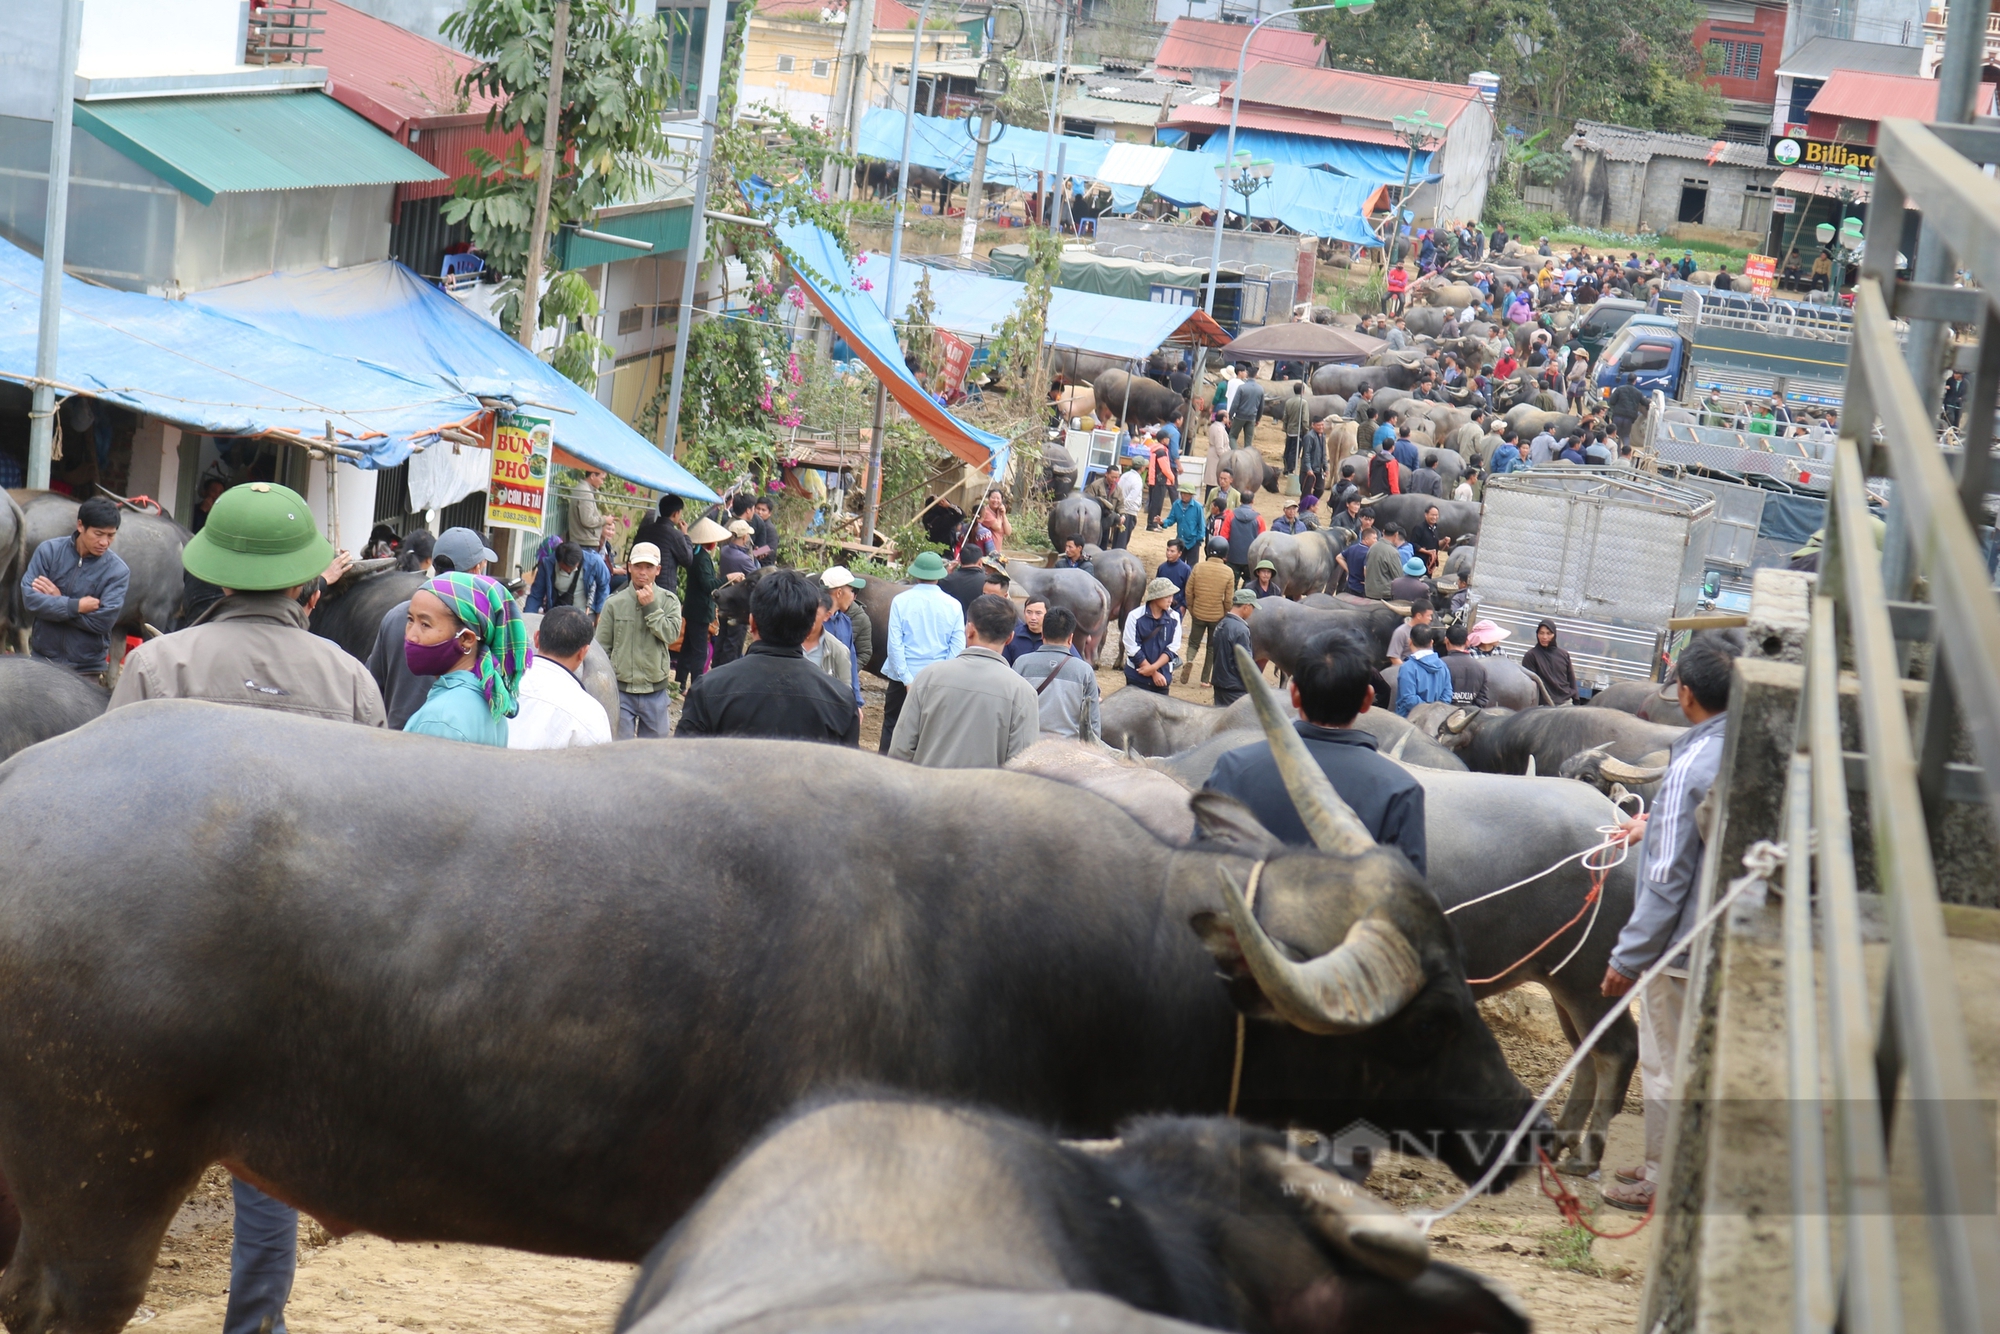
column 1307, row 200
column 1367, row 162
column 383, row 315
column 856, row 313
column 976, row 304
column 213, row 373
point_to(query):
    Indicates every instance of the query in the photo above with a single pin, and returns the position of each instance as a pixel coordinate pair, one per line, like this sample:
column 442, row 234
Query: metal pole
column 538, row 231
column 55, row 225
column 874, row 497
column 1056, row 193
column 1055, row 101
column 711, row 77
column 860, row 89
column 1958, row 79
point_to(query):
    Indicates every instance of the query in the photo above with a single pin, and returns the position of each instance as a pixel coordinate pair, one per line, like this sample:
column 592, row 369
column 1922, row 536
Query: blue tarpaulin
column 384, row 315
column 1307, row 200
column 856, row 314
column 1367, row 162
column 975, row 304
column 209, row 372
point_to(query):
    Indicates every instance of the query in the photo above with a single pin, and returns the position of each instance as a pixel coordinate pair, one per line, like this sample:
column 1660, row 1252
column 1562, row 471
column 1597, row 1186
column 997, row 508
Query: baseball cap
column 643, row 553
column 465, row 549
column 738, row 528
column 1245, row 598
column 839, row 576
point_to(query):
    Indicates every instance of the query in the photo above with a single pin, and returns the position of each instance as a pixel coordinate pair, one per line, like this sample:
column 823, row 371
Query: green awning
column 665, row 223
column 206, row 146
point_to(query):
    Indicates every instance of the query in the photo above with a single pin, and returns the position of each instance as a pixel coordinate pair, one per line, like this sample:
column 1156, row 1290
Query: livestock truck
column 1694, row 340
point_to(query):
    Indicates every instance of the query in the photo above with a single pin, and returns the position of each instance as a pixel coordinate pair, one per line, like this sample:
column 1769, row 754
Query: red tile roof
column 391, row 75
column 1192, row 44
column 1351, row 95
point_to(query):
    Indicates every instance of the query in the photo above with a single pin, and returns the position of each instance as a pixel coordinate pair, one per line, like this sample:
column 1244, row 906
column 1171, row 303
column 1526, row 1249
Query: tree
column 616, row 84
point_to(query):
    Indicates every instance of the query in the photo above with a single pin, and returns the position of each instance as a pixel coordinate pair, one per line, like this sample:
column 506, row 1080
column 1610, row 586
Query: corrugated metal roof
column 1855, row 95
column 1821, row 56
column 1795, row 180
column 1260, row 118
column 1623, row 143
column 389, row 74
column 1106, row 110
column 1349, row 94
column 206, row 146
column 1192, row 44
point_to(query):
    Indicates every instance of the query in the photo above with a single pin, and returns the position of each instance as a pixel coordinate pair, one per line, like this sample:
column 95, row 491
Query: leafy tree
column 616, row 84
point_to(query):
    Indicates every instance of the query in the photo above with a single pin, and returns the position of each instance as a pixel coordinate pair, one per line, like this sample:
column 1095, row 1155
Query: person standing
column 1240, row 527
column 828, row 652
column 1423, row 678
column 586, row 517
column 698, row 610
column 1232, row 634
column 638, row 624
column 738, row 562
column 1353, row 562
column 1425, row 480
column 74, row 588
column 764, row 533
column 403, row 690
column 556, row 711
column 926, row 626
column 1667, row 900
column 849, row 622
column 466, row 631
column 1468, row 674
column 1028, row 634
column 1330, row 690
column 1297, row 421
column 1410, row 585
column 1152, row 639
column 251, row 648
column 1312, row 461
column 1176, row 568
column 1131, row 497
column 772, row 690
column 1289, row 522
column 1187, row 519
column 1066, row 693
column 1384, row 564
column 1245, row 407
column 973, row 711
column 1399, row 639
column 666, row 529
column 1207, row 596
column 570, row 576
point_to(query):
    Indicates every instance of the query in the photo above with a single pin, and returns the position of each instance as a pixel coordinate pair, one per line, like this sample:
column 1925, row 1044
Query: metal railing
column 1849, row 1274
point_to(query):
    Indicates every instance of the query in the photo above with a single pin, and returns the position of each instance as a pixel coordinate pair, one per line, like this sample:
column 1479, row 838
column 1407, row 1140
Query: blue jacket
column 62, row 634
column 1178, row 571
column 1406, row 455
column 1506, row 459
column 1424, row 680
column 841, row 626
column 456, row 710
column 1666, row 904
column 596, row 583
column 1190, row 524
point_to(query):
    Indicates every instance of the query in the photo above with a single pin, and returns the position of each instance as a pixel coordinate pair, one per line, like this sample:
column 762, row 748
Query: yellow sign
column 519, row 494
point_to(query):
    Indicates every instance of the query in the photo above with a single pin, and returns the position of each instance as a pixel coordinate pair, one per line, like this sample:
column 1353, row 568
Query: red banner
column 957, row 359
column 1762, row 271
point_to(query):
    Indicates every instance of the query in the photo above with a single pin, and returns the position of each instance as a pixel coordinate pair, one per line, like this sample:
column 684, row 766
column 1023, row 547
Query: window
column 786, row 64
column 670, row 313
column 1735, row 60
column 822, row 68
column 1694, row 201
column 631, row 320
column 1646, row 357
column 1853, row 131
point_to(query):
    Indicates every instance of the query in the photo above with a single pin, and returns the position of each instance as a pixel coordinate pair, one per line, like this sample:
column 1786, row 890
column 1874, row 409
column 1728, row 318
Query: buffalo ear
column 1224, row 820
column 1219, row 937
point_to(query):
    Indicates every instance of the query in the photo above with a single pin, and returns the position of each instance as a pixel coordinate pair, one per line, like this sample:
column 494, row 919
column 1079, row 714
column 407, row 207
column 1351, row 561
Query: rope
column 1590, row 900
column 1613, row 838
column 1613, row 841
column 1236, row 1067
column 1570, row 1206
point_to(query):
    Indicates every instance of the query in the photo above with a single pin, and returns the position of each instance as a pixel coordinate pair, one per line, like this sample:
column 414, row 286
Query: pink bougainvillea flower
column 864, row 284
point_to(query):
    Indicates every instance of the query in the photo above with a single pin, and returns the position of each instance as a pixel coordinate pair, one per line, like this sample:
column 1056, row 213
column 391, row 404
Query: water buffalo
column 148, row 543
column 1393, row 736
column 1249, row 472
column 350, row 613
column 852, row 1216
column 1152, row 798
column 39, row 700
column 1074, row 590
column 1348, row 381
column 1280, row 629
column 1124, row 577
column 1425, row 320
column 1647, row 700
column 1498, row 742
column 874, row 600
column 1076, row 516
column 14, row 555
column 1456, row 518
column 1510, row 685
column 1304, row 561
column 595, row 675
column 1133, row 399
column 305, row 914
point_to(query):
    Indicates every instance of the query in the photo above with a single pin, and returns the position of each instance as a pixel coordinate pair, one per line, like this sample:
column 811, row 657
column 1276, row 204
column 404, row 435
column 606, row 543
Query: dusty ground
column 1570, row 1284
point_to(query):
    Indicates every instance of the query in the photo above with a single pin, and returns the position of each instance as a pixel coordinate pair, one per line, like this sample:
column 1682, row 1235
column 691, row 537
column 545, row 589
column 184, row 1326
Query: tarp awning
column 384, row 314
column 830, row 282
column 1364, row 161
column 1106, row 275
column 975, row 305
column 206, row 146
column 212, row 373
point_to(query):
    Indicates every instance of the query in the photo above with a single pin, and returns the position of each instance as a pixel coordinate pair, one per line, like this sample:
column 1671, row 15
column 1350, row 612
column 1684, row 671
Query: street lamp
column 1420, row 133
column 1246, row 178
column 1844, row 244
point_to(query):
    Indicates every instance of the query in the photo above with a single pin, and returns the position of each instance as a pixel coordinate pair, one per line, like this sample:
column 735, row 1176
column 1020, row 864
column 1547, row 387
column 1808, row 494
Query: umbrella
column 1300, row 341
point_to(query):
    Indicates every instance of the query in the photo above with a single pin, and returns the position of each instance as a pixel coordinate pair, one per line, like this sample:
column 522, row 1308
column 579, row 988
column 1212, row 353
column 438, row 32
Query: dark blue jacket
column 1406, row 454
column 1023, row 643
column 62, row 634
column 596, row 577
column 1177, row 571
column 1389, row 801
column 841, row 626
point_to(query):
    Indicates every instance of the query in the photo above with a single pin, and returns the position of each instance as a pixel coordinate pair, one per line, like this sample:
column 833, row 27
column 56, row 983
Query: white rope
column 1761, row 860
column 1614, row 837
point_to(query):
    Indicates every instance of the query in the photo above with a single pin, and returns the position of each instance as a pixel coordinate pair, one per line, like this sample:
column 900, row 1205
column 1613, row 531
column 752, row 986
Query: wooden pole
column 538, row 231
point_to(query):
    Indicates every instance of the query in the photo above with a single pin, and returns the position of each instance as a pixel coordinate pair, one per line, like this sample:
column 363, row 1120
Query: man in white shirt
column 1131, row 499
column 556, row 711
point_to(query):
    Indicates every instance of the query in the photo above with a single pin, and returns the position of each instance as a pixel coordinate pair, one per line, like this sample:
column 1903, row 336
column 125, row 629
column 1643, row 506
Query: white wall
column 134, row 37
column 248, row 235
column 356, row 494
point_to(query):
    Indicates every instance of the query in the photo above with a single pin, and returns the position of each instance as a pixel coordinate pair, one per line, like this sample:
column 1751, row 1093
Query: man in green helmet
column 252, row 647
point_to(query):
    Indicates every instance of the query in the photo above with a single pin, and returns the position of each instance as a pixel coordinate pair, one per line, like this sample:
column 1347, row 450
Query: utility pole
column 975, row 186
column 846, row 73
column 859, row 90
column 1055, row 95
column 55, row 224
column 538, row 231
column 711, row 83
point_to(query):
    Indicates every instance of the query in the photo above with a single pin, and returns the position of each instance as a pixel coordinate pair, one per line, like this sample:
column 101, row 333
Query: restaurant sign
column 1788, row 150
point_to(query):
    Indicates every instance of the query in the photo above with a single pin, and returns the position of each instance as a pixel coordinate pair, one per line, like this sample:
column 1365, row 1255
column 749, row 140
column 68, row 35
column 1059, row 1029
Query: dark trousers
column 691, row 663
column 892, row 709
column 1292, row 443
column 1224, row 698
column 1156, row 502
column 263, row 1257
column 1126, row 523
column 1199, row 630
column 1310, row 483
column 728, row 644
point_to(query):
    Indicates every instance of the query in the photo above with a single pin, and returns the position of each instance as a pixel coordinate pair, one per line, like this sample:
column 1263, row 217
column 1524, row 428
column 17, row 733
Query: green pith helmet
column 258, row 538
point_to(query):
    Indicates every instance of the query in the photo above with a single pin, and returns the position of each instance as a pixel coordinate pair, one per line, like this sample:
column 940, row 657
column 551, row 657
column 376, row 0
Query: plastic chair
column 461, row 271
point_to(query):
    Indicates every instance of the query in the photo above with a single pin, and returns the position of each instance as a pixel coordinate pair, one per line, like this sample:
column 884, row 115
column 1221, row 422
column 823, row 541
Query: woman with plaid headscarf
column 465, row 630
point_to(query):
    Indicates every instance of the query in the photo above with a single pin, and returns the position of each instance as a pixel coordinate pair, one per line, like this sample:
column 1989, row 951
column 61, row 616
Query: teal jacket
column 456, row 710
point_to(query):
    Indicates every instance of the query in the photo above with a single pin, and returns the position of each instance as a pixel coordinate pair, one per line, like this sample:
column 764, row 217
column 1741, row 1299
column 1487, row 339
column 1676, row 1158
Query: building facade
column 1642, row 181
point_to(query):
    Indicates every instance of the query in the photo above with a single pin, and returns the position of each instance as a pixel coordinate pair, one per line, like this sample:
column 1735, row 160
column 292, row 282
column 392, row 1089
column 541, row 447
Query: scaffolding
column 281, row 33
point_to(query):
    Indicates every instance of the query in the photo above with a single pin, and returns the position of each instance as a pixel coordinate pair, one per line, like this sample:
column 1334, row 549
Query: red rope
column 1571, row 1207
column 1596, row 888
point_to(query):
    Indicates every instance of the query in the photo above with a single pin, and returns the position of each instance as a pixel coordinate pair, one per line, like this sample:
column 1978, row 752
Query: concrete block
column 1780, row 614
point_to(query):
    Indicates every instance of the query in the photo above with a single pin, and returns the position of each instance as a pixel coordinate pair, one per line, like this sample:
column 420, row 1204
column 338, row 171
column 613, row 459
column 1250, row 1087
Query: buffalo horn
column 1353, row 1220
column 1457, row 722
column 1531, row 767
column 1629, row 774
column 1366, row 978
column 1331, row 821
column 1402, row 744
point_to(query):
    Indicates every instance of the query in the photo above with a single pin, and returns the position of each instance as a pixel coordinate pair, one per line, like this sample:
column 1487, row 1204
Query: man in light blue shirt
column 926, row 625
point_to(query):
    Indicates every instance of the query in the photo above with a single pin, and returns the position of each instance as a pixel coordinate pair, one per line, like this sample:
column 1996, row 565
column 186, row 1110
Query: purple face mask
column 432, row 659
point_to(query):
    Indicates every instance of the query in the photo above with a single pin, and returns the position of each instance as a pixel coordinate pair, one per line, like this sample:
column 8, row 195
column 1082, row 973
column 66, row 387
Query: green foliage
column 919, row 336
column 1026, row 105
column 1569, row 1248
column 1016, row 351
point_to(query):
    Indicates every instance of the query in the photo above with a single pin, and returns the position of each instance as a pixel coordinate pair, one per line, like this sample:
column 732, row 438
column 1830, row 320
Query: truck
column 1694, row 340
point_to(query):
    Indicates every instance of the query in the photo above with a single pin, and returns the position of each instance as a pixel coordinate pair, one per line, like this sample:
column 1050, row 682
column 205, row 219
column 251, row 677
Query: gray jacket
column 77, row 640
column 1068, row 703
column 968, row 712
column 1665, row 905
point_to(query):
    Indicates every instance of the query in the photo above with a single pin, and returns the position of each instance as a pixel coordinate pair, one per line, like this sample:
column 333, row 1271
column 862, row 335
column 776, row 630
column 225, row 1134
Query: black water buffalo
column 853, row 1216
column 350, row 613
column 1304, row 561
column 1494, row 741
column 1076, row 516
column 1133, row 399
column 1249, row 472
column 1394, row 737
column 1153, row 798
column 39, row 700
column 287, row 913
column 1280, row 629
column 14, row 555
column 1348, row 381
column 1649, row 701
column 1124, row 577
column 1457, row 519
column 874, row 600
column 1076, row 591
column 150, row 546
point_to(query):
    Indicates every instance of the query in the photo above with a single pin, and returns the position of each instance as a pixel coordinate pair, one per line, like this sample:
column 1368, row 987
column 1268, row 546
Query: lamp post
column 1246, row 178
column 1419, row 132
column 1843, row 243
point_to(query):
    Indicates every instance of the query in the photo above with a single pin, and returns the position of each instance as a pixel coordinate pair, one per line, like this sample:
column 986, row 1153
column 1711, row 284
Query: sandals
column 1637, row 1197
